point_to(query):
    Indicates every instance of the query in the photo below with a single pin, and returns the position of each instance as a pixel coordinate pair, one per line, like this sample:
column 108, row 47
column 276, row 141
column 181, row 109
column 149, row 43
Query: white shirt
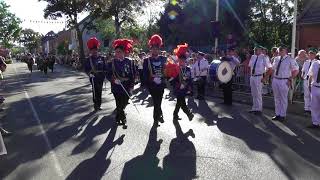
column 305, row 68
column 234, row 62
column 200, row 68
column 314, row 69
column 287, row 65
column 263, row 63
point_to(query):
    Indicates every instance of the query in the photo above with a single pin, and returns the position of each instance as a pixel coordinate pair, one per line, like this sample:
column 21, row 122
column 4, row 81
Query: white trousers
column 280, row 91
column 315, row 105
column 256, row 92
column 307, row 96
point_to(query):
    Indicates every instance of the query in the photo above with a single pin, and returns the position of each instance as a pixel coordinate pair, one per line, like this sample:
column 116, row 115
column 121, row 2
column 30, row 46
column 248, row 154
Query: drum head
column 224, row 72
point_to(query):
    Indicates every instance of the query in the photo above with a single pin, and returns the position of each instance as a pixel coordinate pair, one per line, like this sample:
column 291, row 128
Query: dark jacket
column 184, row 78
column 97, row 67
column 154, row 67
column 124, row 71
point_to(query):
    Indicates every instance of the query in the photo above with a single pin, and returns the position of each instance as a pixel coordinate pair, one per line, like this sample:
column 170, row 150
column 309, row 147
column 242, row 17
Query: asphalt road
column 57, row 136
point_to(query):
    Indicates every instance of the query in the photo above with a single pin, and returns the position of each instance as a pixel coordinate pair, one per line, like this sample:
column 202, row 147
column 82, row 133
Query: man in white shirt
column 259, row 64
column 200, row 73
column 314, row 82
column 285, row 69
column 304, row 75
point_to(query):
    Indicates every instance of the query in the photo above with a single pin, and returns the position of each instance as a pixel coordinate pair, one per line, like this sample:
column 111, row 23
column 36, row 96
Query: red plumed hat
column 93, row 43
column 125, row 44
column 181, row 50
column 155, row 40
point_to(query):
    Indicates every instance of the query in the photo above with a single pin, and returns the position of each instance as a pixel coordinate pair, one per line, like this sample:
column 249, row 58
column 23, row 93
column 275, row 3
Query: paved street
column 57, row 136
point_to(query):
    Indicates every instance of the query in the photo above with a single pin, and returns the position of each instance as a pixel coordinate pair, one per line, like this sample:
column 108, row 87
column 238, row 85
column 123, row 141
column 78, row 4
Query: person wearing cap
column 182, row 82
column 153, row 71
column 284, row 69
column 200, row 70
column 259, row 64
column 95, row 67
column 314, row 85
column 227, row 87
column 119, row 73
column 304, row 75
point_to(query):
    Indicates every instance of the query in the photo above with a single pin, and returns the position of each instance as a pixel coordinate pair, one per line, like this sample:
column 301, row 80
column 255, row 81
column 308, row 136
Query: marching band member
column 258, row 64
column 153, row 70
column 182, row 82
column 95, row 68
column 119, row 73
column 227, row 87
column 285, row 69
column 304, row 75
column 200, row 70
column 314, row 84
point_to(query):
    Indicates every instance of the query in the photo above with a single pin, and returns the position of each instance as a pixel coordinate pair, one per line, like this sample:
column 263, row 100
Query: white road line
column 43, row 133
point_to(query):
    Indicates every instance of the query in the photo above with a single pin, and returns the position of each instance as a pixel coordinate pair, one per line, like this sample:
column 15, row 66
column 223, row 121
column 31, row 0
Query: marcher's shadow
column 180, row 163
column 145, row 166
column 95, row 167
column 92, row 131
column 204, row 110
column 143, row 96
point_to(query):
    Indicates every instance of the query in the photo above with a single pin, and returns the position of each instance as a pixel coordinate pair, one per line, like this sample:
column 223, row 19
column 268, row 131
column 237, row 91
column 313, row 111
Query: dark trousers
column 141, row 77
column 202, row 86
column 156, row 95
column 181, row 103
column 97, row 85
column 30, row 66
column 227, row 93
column 121, row 103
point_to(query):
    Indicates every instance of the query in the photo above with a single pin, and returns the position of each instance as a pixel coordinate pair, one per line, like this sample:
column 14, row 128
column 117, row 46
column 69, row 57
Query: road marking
column 51, row 153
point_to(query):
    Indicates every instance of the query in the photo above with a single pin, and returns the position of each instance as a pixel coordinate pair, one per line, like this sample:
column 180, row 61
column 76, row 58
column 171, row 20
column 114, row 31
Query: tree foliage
column 9, row 26
column 30, row 39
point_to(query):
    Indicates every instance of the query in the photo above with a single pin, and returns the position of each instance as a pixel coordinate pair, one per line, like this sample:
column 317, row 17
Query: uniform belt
column 257, row 75
column 281, row 78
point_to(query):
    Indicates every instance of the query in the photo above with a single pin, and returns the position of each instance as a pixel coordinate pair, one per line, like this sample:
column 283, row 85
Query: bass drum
column 213, row 70
column 224, row 72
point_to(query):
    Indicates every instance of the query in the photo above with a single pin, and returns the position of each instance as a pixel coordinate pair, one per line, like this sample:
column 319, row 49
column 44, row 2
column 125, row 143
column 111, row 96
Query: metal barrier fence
column 241, row 83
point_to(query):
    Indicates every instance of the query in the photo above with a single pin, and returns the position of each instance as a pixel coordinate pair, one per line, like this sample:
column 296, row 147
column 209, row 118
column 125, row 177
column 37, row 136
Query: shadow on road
column 145, row 166
column 95, row 167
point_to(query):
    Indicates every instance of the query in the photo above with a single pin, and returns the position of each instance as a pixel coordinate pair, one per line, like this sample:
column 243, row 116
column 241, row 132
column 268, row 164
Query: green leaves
column 30, row 39
column 9, row 26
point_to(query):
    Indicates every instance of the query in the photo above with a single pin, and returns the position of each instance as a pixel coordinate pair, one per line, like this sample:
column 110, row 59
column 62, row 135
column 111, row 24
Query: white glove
column 91, row 75
column 117, row 81
column 195, row 79
column 182, row 86
column 157, row 80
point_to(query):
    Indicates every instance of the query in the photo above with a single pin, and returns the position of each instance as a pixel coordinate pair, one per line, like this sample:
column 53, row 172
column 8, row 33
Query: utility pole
column 294, row 29
column 217, row 20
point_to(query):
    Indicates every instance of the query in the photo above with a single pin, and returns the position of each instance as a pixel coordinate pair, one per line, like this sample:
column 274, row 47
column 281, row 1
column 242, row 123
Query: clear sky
column 31, row 13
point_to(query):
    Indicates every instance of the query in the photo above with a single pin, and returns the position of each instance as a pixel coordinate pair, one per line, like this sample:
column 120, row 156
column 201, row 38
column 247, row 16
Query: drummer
column 227, row 87
column 259, row 64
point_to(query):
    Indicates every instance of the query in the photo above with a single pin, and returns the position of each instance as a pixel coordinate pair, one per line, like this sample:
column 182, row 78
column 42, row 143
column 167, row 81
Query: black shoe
column 252, row 111
column 275, row 118
column 307, row 112
column 190, row 116
column 5, row 133
column 160, row 119
column 313, row 126
column 257, row 113
column 97, row 109
column 176, row 118
column 282, row 119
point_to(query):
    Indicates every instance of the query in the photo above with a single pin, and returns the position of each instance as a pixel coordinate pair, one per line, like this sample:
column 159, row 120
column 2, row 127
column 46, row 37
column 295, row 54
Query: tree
column 30, row 39
column 123, row 11
column 9, row 26
column 71, row 9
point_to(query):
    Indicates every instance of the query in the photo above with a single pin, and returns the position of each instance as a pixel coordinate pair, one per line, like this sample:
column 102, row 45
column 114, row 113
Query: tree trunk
column 117, row 25
column 80, row 48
